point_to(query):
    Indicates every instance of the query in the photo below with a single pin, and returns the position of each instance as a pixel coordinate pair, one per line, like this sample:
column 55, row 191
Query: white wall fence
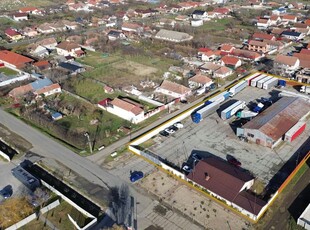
column 90, row 224
column 149, row 100
column 15, row 79
column 5, row 156
column 33, row 216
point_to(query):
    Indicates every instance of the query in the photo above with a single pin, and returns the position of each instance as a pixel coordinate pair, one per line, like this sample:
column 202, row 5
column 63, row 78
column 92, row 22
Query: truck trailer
column 255, row 80
column 261, row 82
column 305, row 89
column 220, row 97
column 207, row 109
column 252, row 77
column 231, row 110
column 270, row 83
column 237, row 88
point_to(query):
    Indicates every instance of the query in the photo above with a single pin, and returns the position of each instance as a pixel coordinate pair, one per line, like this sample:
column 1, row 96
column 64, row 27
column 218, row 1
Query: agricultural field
column 118, row 70
column 15, row 4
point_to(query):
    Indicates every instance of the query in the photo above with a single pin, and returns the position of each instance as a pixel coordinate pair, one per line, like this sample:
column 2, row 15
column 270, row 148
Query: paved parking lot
column 7, row 178
column 215, row 137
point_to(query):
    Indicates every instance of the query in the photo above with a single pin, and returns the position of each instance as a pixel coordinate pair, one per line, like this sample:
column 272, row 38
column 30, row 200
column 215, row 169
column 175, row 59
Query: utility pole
column 88, row 140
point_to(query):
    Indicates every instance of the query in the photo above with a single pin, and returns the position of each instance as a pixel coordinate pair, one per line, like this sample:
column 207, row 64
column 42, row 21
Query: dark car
column 136, row 175
column 6, row 192
column 234, row 162
column 174, row 128
column 164, row 133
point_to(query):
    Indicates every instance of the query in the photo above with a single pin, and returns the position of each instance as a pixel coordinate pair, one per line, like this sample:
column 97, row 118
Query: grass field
column 215, row 25
column 16, row 4
column 7, row 71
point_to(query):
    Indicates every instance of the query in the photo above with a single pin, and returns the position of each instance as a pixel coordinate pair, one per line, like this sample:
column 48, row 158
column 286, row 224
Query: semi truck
column 270, row 83
column 208, row 108
column 258, row 107
column 262, row 81
column 237, row 88
column 220, row 97
column 255, row 80
column 231, row 110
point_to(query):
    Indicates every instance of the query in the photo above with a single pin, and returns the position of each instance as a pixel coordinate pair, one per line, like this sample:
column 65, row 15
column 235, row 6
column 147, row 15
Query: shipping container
column 295, row 131
column 255, row 80
column 252, row 77
column 231, row 110
column 220, row 97
column 282, row 83
column 260, row 83
column 237, row 88
column 272, row 82
column 204, row 111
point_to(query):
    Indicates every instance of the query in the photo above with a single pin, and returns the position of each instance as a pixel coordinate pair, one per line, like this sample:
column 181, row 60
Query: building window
column 250, row 135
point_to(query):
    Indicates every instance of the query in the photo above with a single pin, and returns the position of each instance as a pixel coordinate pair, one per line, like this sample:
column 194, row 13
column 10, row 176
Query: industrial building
column 270, row 127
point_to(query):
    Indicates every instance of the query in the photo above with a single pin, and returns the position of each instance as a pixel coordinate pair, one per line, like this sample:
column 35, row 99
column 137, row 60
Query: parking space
column 215, row 137
column 7, row 179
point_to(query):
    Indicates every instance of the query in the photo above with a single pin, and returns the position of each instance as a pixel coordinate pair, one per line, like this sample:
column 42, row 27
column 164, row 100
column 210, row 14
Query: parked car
column 179, row 125
column 164, row 133
column 234, row 162
column 174, row 128
column 170, row 131
column 187, row 169
column 196, row 157
column 6, row 192
column 136, row 175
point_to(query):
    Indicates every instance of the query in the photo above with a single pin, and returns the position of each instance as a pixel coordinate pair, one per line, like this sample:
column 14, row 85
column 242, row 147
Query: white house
column 287, row 63
column 38, row 50
column 69, row 49
column 196, row 22
column 263, row 23
column 126, row 109
column 173, row 89
column 48, row 90
column 48, row 43
column 223, row 72
column 200, row 14
column 45, row 28
column 20, row 17
column 199, row 81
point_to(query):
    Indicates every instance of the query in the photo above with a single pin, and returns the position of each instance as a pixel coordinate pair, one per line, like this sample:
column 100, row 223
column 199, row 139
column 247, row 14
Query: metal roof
column 41, row 83
column 280, row 117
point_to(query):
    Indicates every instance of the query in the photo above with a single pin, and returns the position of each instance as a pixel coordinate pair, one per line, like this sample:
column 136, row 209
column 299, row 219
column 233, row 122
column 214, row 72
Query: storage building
column 270, row 127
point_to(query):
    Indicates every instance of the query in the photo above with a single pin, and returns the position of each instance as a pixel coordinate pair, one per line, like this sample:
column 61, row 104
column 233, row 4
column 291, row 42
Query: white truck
column 305, row 89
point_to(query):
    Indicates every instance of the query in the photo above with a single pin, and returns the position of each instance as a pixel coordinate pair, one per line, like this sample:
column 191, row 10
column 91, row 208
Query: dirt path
column 292, row 205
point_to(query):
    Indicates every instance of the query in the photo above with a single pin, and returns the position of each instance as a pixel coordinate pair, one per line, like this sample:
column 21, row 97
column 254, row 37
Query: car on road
column 164, row 133
column 136, row 175
column 174, row 128
column 179, row 125
column 234, row 162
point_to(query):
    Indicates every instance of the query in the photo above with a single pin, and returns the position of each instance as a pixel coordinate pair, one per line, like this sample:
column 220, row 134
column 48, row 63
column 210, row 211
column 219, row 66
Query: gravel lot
column 215, row 137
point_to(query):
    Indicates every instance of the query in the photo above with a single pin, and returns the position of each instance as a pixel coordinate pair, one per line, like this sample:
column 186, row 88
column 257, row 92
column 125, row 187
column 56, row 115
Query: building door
column 258, row 141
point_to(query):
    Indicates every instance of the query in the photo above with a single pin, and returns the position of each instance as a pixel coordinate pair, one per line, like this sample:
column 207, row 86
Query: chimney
column 207, row 177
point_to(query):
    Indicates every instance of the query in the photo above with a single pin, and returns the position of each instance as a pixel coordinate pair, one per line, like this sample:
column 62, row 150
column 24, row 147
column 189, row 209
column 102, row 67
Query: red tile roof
column 229, row 60
column 307, row 22
column 14, row 58
column 257, row 43
column 48, row 88
column 18, row 15
column 263, row 36
column 286, row 60
column 41, row 63
column 11, row 33
column 305, row 51
column 136, row 110
column 289, row 17
column 67, row 46
column 304, row 59
column 27, row 9
column 174, row 87
column 201, row 79
column 245, row 54
column 204, row 50
column 222, row 10
column 20, row 91
column 227, row 48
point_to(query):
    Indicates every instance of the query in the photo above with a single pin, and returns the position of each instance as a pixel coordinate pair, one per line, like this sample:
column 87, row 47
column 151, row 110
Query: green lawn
column 97, row 59
column 216, row 25
column 7, row 71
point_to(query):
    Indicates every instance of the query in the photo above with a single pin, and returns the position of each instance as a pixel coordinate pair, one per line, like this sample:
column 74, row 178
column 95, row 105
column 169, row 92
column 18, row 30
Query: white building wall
column 129, row 116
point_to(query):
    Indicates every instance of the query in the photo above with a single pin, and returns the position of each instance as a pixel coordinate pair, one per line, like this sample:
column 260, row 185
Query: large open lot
column 217, row 138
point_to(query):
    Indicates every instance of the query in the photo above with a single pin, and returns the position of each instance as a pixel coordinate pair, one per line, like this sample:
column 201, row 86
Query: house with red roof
column 226, row 49
column 20, row 17
column 13, row 35
column 124, row 108
column 229, row 184
column 199, row 81
column 173, row 89
column 48, row 90
column 31, row 10
column 247, row 55
column 262, row 36
column 14, row 60
column 258, row 46
column 263, row 23
column 289, row 18
column 222, row 11
column 275, row 20
column 69, row 49
column 222, row 72
column 286, row 63
column 304, row 59
column 230, row 61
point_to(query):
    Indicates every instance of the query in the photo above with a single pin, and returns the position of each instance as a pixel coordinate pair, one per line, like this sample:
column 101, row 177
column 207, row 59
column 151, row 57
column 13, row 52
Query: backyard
column 7, row 71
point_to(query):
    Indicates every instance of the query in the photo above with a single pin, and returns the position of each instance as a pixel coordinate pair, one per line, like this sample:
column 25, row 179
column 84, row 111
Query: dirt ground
column 135, row 68
column 14, row 140
column 192, row 203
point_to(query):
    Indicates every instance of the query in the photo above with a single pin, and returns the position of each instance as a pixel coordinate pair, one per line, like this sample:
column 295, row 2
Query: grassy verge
column 7, row 71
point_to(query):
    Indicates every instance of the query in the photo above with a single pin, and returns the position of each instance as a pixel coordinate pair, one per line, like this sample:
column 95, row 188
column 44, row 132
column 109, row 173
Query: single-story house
column 173, row 36
column 223, row 72
column 69, row 49
column 231, row 62
column 174, row 89
column 71, row 68
column 287, row 63
column 199, row 81
column 14, row 60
